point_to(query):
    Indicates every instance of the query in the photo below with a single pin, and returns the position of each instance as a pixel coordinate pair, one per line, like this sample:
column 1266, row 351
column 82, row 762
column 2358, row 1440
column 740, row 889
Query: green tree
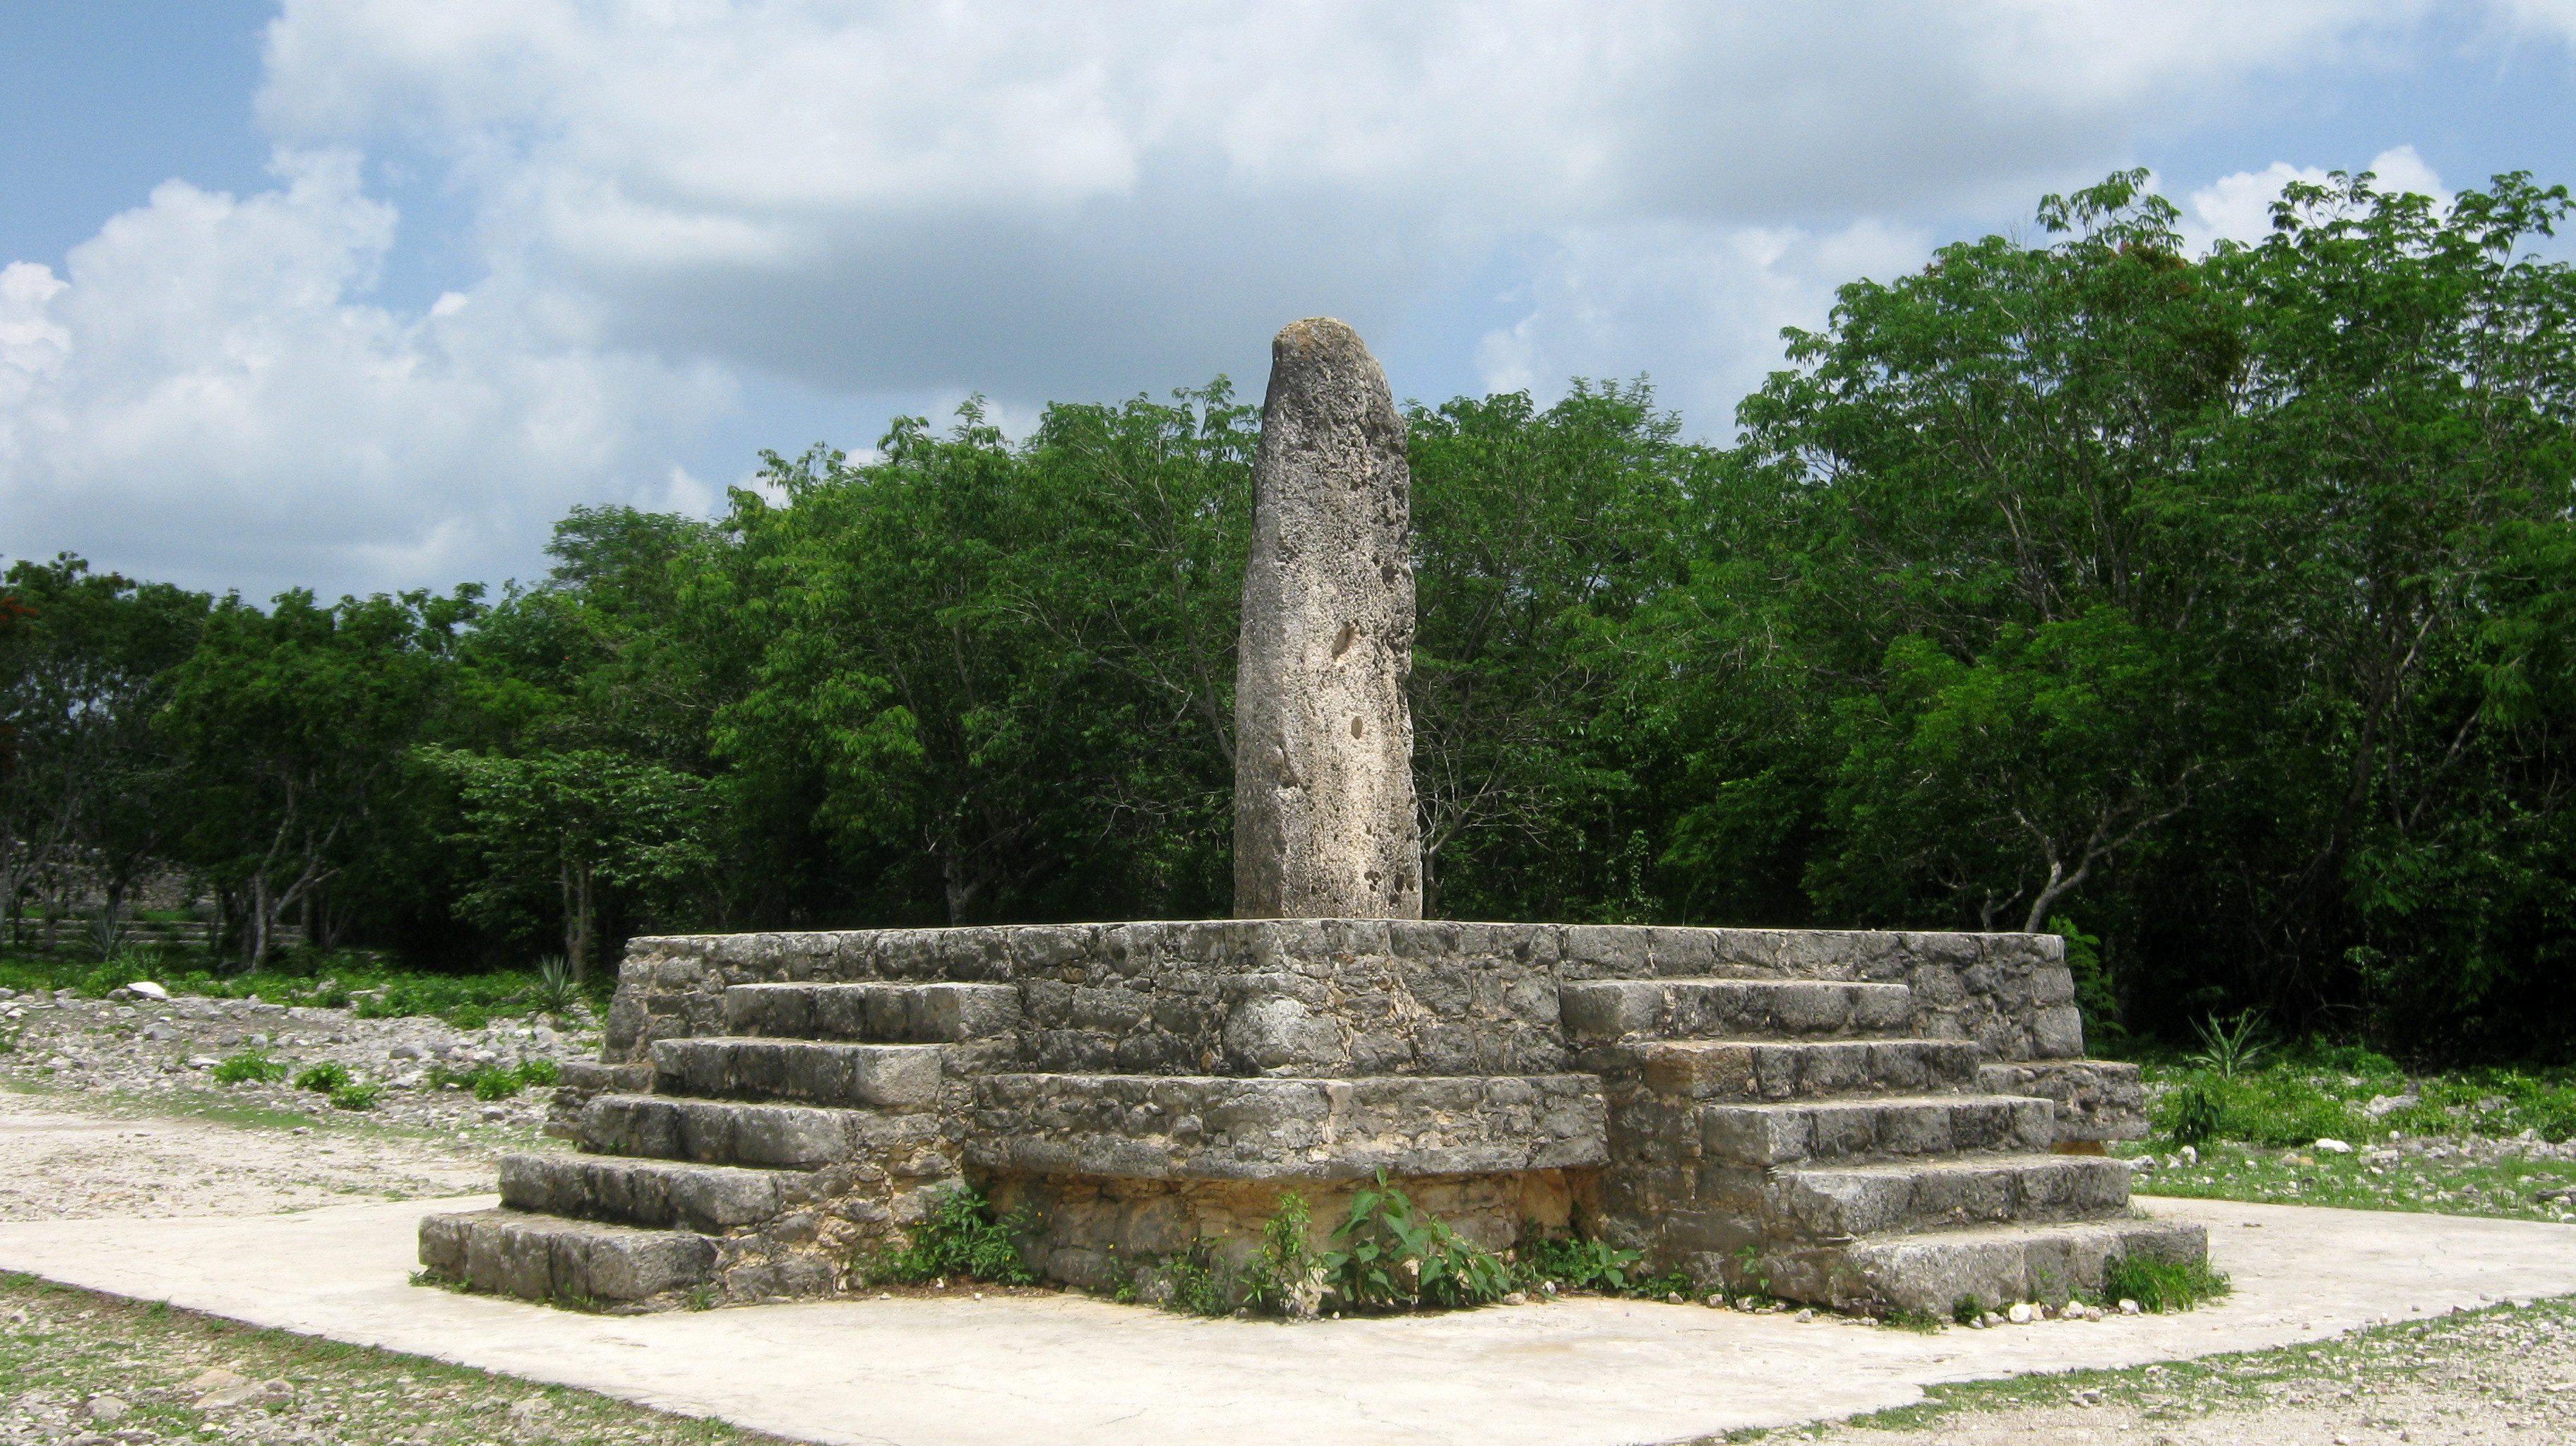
column 594, row 821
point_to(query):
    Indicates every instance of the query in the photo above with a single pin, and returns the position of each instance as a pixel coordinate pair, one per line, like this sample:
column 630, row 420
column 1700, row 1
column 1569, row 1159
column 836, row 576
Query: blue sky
column 364, row 294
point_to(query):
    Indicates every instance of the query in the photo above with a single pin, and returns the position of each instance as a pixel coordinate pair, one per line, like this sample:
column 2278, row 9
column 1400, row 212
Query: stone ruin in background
column 1869, row 1121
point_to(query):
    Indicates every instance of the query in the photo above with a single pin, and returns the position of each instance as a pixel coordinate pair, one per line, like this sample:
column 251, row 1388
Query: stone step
column 1725, row 1069
column 578, row 1262
column 1917, row 1195
column 2098, row 1100
column 1991, row 1265
column 1610, row 1010
column 1208, row 1127
column 874, row 1013
column 656, row 1193
column 857, row 1076
column 1764, row 1135
column 761, row 1136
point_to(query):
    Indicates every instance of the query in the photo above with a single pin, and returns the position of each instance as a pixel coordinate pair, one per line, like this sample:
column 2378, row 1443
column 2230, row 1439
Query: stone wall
column 1342, row 997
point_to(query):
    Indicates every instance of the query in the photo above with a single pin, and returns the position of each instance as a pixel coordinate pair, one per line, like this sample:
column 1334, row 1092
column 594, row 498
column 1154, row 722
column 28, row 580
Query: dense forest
column 2215, row 611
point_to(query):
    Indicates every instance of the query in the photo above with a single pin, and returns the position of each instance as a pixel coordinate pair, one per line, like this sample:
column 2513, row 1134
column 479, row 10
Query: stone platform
column 1874, row 1121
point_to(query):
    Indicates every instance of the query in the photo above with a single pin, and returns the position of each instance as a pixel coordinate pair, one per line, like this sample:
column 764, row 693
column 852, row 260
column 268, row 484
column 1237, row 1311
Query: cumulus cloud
column 670, row 205
column 1698, row 310
column 205, row 397
column 1039, row 198
column 2239, row 207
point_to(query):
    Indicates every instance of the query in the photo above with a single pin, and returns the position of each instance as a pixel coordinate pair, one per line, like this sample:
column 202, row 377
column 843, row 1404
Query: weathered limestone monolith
column 1324, row 825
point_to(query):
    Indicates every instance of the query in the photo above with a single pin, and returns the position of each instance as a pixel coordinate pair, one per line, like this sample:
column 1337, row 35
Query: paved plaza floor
column 1069, row 1370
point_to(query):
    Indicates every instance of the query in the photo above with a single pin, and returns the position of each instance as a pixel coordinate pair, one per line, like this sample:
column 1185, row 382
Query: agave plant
column 107, row 934
column 2230, row 1047
column 557, row 989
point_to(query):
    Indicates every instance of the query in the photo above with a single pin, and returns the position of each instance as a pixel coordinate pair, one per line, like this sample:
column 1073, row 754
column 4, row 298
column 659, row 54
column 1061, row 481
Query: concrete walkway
column 1069, row 1370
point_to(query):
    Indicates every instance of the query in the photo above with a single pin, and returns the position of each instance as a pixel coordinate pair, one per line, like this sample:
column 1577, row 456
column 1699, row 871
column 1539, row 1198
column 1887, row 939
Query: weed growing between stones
column 250, row 1066
column 962, row 1237
column 1287, row 1275
column 2161, row 1285
column 1391, row 1255
column 325, row 1077
column 1574, row 1263
column 355, row 1096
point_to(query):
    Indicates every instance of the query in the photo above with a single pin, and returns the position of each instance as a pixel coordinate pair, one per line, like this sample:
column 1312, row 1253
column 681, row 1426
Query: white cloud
column 2239, row 207
column 203, row 397
column 1697, row 309
column 1045, row 199
column 674, row 199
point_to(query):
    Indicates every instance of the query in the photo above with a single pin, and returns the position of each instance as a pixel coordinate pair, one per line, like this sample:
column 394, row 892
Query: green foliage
column 2191, row 1115
column 1573, row 1262
column 2230, row 1048
column 1286, row 1275
column 497, row 1083
column 326, row 1077
column 961, row 1237
column 1391, row 1256
column 2159, row 1286
column 558, row 987
column 536, row 1072
column 354, row 1096
column 249, row 1066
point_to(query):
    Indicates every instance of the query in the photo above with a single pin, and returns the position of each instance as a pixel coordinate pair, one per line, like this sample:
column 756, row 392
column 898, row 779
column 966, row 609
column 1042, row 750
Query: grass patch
column 2160, row 1286
column 250, row 1066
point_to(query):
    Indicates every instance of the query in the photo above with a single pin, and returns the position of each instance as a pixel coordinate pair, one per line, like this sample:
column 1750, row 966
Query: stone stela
column 1872, row 1121
column 1324, row 821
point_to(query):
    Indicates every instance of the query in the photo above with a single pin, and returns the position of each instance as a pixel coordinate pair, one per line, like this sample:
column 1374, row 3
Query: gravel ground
column 2501, row 1375
column 165, row 1052
column 89, row 1369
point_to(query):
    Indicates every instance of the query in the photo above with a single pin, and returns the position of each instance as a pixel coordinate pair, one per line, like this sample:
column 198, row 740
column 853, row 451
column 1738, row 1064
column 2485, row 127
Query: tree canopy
column 2216, row 609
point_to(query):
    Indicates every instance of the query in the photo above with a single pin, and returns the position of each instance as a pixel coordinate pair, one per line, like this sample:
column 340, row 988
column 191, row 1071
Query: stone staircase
column 757, row 1163
column 1872, row 1122
column 1797, row 1137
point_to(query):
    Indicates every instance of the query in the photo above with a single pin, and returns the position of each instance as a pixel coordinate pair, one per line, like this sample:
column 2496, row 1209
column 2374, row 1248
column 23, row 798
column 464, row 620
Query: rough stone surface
column 1161, row 1127
column 1323, row 786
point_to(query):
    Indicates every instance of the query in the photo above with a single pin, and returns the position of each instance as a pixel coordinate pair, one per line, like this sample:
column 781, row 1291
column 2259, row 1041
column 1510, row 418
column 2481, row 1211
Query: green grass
column 2159, row 1286
column 362, row 982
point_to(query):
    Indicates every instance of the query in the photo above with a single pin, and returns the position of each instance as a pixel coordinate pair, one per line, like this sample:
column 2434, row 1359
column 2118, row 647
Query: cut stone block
column 1225, row 1128
column 540, row 1257
column 1782, row 1134
column 1918, row 1195
column 764, row 1136
column 1992, row 1266
column 1801, row 1069
column 873, row 1013
column 657, row 1193
column 2098, row 1100
column 1610, row 1010
column 873, row 1076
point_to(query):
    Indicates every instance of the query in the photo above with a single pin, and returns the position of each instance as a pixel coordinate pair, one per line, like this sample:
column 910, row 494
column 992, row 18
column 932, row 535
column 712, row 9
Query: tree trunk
column 579, row 924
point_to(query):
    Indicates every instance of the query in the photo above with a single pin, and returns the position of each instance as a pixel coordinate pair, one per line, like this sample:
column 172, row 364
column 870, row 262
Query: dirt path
column 77, row 1157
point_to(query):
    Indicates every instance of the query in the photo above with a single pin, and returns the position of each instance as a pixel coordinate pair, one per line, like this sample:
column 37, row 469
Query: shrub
column 1394, row 1256
column 1286, row 1276
column 1574, row 1263
column 354, row 1096
column 250, row 1066
column 539, row 1072
column 556, row 990
column 2190, row 1115
column 961, row 1237
column 325, row 1077
column 496, row 1083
